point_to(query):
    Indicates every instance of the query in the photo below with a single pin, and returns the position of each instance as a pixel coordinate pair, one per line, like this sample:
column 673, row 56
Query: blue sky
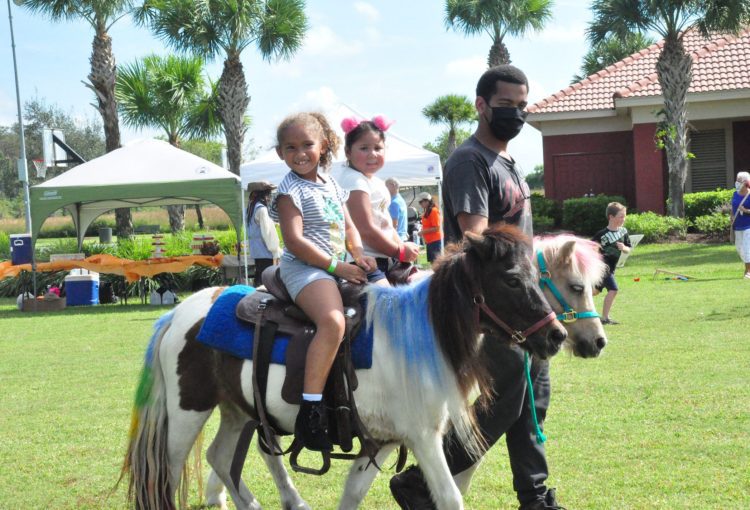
column 390, row 57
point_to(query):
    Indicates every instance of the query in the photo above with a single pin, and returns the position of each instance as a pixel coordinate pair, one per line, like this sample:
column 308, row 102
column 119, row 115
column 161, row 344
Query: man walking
column 482, row 187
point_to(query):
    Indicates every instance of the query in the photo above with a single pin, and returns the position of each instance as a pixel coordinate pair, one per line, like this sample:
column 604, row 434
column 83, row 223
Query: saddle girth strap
column 262, row 347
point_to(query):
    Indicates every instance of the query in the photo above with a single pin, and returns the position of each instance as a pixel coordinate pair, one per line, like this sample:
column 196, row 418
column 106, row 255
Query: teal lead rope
column 540, row 437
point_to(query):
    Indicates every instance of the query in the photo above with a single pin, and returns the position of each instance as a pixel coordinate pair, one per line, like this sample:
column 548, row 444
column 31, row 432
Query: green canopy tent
column 140, row 174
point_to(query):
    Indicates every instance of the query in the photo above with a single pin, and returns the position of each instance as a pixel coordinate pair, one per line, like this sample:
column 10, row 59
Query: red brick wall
column 741, row 142
column 650, row 170
column 594, row 162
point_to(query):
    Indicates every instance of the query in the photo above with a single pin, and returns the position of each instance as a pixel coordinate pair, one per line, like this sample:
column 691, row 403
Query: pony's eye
column 578, row 289
column 513, row 282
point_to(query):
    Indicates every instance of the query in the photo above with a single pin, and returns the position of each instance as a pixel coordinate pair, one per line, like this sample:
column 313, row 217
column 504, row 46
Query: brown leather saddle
column 273, row 312
column 276, row 308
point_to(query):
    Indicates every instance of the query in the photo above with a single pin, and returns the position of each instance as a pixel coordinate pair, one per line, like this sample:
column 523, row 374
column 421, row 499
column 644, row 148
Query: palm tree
column 452, row 110
column 170, row 93
column 610, row 51
column 227, row 27
column 497, row 18
column 670, row 19
column 101, row 15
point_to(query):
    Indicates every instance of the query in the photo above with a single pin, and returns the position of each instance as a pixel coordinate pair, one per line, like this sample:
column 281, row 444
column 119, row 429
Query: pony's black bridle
column 516, row 336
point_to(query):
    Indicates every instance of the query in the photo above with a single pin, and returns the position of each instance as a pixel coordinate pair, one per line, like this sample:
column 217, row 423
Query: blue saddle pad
column 222, row 330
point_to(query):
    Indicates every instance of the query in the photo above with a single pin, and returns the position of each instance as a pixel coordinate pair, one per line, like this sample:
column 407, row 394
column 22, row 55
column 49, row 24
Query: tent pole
column 440, row 200
column 244, row 234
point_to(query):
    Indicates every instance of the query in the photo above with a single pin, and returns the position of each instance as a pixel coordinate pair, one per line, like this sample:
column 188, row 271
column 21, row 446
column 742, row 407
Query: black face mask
column 506, row 122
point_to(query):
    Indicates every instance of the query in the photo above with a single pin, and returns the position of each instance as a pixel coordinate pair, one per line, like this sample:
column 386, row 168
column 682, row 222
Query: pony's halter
column 516, row 336
column 545, row 279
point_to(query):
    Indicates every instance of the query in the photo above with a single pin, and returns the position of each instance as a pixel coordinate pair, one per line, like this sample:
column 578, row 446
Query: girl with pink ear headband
column 369, row 198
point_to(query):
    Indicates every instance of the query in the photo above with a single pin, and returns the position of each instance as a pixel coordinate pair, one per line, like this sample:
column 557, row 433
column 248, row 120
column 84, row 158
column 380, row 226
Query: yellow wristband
column 332, row 267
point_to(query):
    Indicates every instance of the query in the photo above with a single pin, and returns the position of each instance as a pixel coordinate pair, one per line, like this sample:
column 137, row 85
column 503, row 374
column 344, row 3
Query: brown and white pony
column 425, row 364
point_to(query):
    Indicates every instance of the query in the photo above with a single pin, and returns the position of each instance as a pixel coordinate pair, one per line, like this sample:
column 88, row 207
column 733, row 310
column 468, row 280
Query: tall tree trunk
column 199, row 214
column 499, row 54
column 233, row 101
column 102, row 82
column 176, row 212
column 451, row 141
column 675, row 71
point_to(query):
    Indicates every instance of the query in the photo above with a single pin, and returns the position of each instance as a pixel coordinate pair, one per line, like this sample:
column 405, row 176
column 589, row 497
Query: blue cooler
column 20, row 249
column 82, row 290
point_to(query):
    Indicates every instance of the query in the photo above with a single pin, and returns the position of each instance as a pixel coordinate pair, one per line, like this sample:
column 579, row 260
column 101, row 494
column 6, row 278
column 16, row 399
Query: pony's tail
column 146, row 464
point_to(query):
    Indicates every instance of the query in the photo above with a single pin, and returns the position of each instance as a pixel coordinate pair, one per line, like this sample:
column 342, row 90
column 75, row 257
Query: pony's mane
column 588, row 261
column 403, row 314
column 457, row 277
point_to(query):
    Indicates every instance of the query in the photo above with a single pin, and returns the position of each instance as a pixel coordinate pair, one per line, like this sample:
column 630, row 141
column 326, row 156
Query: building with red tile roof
column 598, row 134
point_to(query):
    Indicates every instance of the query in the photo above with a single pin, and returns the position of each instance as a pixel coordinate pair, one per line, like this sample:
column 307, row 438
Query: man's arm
column 474, row 223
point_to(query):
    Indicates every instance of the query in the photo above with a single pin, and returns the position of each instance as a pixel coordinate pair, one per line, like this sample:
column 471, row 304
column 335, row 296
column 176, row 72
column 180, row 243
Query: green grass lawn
column 660, row 421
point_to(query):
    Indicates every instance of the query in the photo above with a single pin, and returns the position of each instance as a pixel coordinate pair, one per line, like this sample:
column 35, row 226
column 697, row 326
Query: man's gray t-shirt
column 477, row 180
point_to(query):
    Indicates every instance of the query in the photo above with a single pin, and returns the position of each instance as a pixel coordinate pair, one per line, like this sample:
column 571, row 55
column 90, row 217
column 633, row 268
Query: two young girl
column 318, row 232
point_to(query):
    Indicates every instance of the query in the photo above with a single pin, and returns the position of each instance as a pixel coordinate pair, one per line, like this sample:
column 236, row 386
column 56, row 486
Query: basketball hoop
column 41, row 168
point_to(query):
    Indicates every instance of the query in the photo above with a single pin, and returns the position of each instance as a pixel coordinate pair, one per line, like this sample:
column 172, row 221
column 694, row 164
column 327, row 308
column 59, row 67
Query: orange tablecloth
column 132, row 270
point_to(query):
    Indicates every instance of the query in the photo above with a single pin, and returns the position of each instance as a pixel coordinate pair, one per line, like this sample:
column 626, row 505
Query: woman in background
column 433, row 237
column 261, row 231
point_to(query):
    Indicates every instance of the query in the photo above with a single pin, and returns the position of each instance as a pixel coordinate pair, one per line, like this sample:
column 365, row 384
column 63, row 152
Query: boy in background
column 613, row 240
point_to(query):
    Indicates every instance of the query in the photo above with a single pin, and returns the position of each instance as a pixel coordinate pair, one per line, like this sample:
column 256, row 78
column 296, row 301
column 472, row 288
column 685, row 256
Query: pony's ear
column 566, row 252
column 478, row 243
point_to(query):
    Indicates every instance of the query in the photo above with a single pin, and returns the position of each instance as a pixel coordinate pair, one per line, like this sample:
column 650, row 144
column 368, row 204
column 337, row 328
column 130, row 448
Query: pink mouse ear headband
column 381, row 122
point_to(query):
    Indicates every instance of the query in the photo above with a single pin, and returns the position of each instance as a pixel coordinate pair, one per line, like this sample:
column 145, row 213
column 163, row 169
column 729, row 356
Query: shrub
column 58, row 246
column 586, row 216
column 227, row 240
column 543, row 224
column 135, row 248
column 543, row 206
column 705, row 203
column 4, row 245
column 714, row 225
column 178, row 244
column 655, row 227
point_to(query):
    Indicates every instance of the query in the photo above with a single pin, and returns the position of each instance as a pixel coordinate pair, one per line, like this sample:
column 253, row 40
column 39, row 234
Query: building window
column 708, row 170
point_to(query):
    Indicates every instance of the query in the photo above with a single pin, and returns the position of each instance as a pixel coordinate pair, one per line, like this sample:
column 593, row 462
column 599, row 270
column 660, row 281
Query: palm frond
column 281, row 28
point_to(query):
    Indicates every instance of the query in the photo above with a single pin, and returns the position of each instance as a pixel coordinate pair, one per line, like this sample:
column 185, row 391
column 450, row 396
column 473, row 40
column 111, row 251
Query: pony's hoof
column 219, row 501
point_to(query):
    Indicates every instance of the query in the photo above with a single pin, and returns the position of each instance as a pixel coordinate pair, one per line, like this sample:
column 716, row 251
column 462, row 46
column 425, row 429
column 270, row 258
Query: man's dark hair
column 509, row 74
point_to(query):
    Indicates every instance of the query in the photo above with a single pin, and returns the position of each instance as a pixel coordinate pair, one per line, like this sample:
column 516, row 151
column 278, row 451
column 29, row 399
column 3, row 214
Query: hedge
column 705, row 203
column 714, row 225
column 586, row 216
column 552, row 210
column 655, row 227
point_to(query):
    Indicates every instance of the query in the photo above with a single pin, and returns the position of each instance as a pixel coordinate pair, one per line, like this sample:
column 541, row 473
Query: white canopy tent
column 143, row 173
column 410, row 164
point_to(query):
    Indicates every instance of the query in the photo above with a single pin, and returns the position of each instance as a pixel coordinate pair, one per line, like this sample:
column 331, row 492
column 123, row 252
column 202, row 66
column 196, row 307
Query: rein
column 569, row 314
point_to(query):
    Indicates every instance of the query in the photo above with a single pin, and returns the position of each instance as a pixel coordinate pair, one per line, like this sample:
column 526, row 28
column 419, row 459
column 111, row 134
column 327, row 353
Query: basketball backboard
column 53, row 154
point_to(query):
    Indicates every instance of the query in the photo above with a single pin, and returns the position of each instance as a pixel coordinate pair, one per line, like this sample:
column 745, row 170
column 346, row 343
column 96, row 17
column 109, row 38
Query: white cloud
column 572, row 33
column 367, row 10
column 323, row 41
column 323, row 98
column 537, row 91
column 472, row 66
column 8, row 110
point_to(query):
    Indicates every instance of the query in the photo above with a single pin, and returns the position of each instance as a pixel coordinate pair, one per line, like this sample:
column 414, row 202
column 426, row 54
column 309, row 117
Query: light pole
column 23, row 173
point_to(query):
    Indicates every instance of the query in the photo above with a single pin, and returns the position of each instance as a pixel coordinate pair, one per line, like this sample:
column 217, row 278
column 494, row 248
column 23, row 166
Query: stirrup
column 295, row 448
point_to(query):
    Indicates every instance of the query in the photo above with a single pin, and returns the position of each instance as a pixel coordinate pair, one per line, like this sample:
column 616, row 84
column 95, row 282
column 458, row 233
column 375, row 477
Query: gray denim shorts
column 297, row 275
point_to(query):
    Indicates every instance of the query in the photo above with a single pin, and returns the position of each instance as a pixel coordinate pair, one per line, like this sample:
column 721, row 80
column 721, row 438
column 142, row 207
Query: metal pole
column 23, row 172
column 242, row 254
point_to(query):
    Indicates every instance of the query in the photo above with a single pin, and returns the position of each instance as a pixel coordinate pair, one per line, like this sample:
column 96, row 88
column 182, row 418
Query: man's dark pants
column 510, row 414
